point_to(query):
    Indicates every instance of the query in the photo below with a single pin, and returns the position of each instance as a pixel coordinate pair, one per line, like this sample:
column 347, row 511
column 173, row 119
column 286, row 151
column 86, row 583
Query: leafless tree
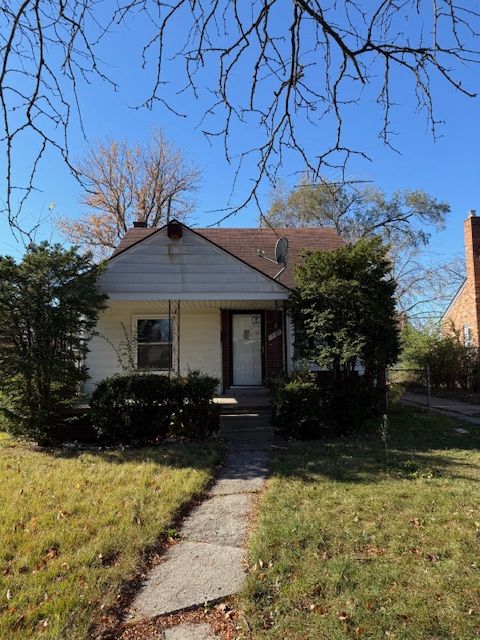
column 267, row 65
column 425, row 284
column 123, row 183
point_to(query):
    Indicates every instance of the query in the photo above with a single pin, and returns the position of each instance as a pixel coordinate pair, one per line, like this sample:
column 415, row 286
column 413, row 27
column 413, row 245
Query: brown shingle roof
column 244, row 244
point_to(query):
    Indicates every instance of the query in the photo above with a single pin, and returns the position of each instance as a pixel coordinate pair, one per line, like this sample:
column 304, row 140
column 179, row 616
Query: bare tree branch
column 124, row 183
column 403, row 221
column 267, row 66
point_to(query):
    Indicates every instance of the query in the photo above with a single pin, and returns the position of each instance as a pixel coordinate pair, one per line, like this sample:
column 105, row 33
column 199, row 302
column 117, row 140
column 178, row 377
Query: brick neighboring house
column 463, row 313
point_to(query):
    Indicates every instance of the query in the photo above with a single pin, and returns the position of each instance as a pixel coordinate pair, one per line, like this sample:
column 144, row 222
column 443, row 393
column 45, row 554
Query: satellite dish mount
column 281, row 250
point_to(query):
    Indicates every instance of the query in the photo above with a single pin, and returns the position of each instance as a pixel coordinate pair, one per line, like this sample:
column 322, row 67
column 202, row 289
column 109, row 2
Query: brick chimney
column 139, row 224
column 472, row 287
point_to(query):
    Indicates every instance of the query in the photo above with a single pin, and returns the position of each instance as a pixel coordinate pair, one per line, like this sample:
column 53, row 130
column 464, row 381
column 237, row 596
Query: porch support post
column 170, row 337
column 178, row 337
column 285, row 338
column 174, row 336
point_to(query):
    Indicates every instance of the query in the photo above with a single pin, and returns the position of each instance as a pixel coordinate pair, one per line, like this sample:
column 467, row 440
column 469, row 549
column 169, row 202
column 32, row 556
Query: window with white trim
column 154, row 343
column 467, row 335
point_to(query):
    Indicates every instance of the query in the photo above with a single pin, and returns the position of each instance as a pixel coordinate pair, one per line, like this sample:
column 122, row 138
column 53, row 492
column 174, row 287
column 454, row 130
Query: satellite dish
column 281, row 249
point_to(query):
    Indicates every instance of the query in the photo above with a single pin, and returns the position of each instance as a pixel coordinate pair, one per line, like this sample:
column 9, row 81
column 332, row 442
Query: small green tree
column 343, row 309
column 452, row 364
column 49, row 303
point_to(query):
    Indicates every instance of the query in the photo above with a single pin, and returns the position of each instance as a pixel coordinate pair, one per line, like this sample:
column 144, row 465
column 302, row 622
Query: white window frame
column 151, row 316
column 467, row 335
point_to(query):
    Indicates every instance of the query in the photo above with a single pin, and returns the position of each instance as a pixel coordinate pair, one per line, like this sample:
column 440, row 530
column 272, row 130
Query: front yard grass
column 353, row 544
column 73, row 528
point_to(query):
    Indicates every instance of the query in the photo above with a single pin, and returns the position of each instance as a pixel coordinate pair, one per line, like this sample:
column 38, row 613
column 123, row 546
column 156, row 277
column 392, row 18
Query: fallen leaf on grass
column 50, row 555
column 371, row 550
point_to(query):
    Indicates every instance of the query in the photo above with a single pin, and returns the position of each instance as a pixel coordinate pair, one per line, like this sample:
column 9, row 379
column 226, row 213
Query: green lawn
column 73, row 528
column 348, row 546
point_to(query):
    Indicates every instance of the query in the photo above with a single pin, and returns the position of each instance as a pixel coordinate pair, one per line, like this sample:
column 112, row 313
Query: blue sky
column 447, row 169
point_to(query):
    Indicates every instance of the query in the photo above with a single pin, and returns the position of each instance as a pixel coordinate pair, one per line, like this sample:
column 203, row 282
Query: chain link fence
column 414, row 380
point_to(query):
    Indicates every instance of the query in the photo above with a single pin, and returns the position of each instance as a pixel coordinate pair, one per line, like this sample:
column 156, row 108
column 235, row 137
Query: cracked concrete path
column 209, row 562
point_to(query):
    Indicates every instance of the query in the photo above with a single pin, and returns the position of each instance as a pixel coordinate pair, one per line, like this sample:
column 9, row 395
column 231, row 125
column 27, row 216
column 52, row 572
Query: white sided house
column 212, row 300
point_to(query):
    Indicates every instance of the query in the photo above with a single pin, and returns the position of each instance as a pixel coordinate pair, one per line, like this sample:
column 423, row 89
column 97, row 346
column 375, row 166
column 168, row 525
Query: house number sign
column 275, row 334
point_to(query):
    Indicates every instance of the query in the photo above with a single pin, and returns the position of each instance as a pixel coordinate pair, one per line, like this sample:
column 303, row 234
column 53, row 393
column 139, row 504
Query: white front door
column 247, row 348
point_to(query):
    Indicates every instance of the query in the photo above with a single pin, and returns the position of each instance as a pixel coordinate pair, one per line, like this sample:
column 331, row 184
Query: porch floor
column 244, row 400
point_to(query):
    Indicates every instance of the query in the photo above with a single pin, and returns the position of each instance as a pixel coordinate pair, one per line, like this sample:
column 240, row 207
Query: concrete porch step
column 248, row 391
column 244, row 400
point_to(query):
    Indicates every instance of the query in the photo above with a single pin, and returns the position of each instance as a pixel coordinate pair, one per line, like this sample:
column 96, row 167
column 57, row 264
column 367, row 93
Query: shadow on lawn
column 419, row 445
column 197, row 455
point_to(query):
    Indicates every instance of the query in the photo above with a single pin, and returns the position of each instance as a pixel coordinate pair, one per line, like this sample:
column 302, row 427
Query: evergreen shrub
column 149, row 407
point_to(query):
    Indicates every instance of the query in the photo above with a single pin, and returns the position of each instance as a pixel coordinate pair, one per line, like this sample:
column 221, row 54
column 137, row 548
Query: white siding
column 189, row 268
column 200, row 347
column 102, row 360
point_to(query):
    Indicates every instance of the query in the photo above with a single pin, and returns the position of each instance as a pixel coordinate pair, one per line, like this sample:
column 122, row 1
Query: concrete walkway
column 454, row 408
column 208, row 563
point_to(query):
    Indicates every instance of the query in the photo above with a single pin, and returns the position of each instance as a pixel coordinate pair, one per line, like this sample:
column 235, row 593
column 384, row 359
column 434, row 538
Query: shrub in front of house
column 313, row 406
column 352, row 402
column 132, row 407
column 198, row 415
column 148, row 407
column 298, row 409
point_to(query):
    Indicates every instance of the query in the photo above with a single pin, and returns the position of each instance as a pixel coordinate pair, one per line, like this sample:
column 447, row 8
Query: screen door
column 247, row 348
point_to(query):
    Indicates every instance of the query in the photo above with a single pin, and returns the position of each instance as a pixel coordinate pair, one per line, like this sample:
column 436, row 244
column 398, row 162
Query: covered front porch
column 243, row 343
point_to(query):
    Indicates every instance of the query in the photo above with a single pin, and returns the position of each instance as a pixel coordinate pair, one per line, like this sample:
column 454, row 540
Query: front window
column 154, row 343
column 467, row 335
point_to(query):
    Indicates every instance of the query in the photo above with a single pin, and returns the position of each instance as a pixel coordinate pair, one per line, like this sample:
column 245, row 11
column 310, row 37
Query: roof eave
column 454, row 299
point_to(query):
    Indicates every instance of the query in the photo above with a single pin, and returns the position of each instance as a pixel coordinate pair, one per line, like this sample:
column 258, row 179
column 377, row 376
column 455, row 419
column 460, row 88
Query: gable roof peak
column 249, row 244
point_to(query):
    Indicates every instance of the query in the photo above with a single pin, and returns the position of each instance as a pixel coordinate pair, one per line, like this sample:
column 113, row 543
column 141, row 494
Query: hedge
column 150, row 407
column 313, row 406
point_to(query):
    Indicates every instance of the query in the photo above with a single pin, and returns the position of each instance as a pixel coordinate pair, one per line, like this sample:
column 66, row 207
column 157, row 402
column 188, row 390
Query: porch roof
column 194, row 306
